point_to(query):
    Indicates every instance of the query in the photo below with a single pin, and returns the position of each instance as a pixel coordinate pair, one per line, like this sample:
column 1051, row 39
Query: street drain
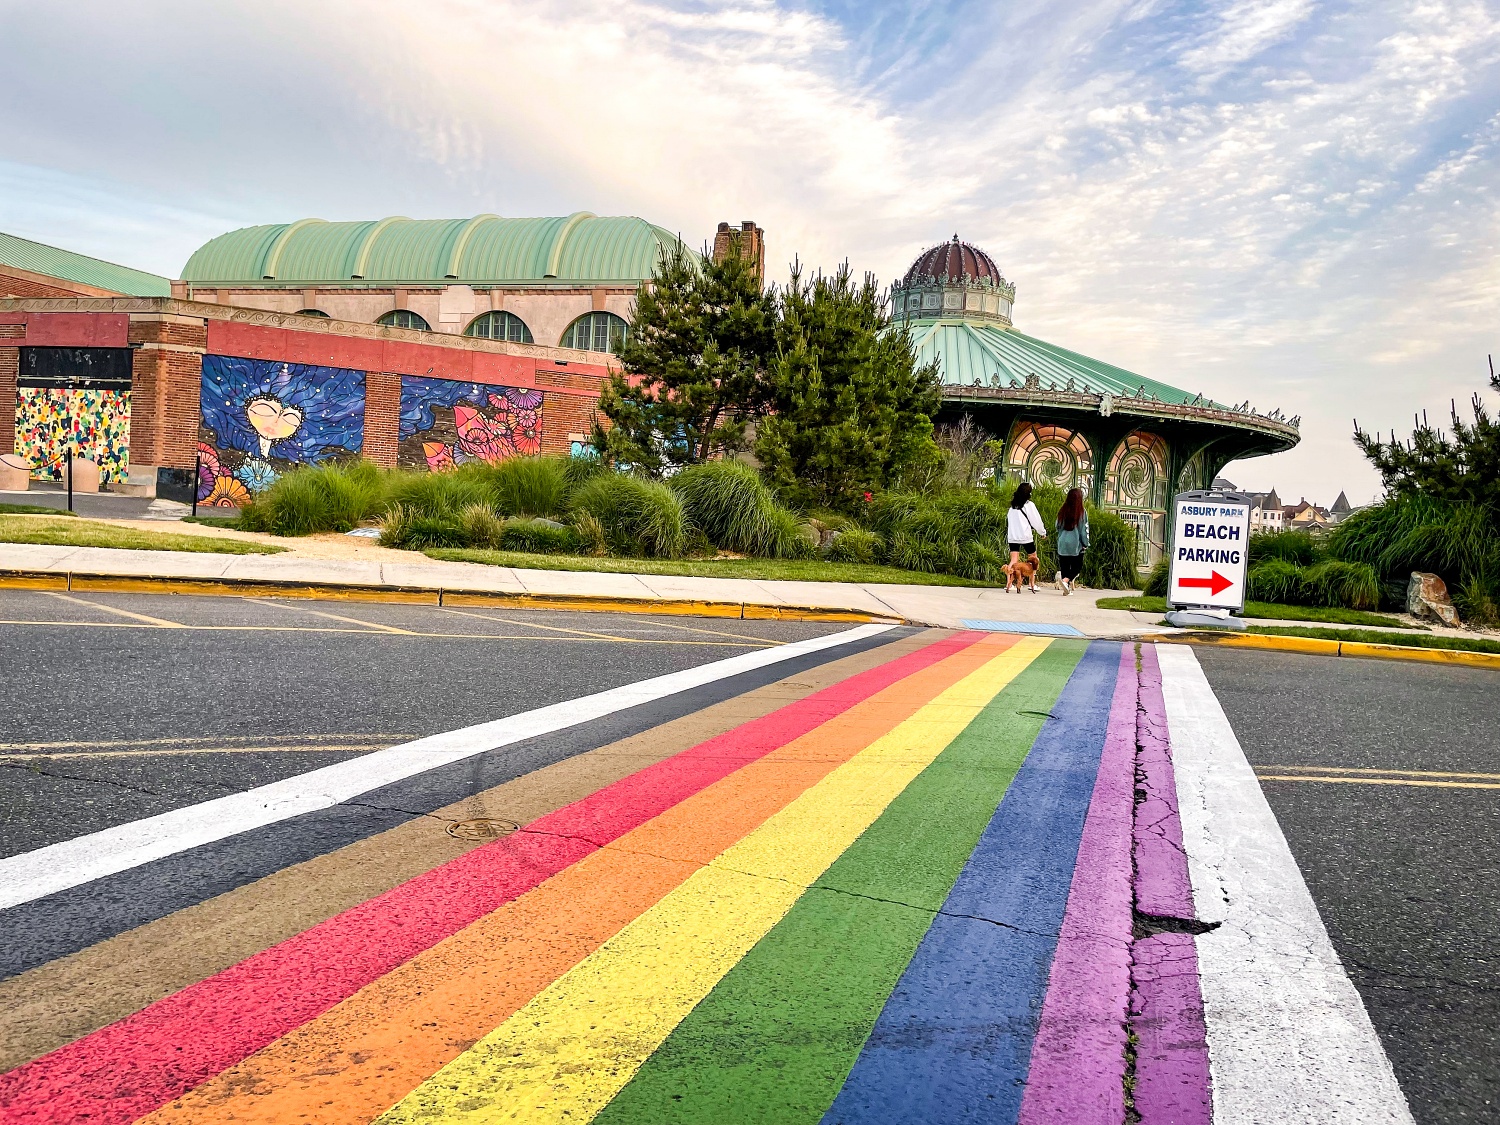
column 481, row 828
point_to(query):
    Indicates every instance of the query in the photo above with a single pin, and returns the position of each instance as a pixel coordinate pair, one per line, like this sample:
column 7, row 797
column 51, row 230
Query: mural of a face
column 273, row 420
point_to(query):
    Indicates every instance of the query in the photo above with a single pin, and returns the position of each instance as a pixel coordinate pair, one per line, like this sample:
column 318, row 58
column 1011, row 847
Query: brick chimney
column 752, row 241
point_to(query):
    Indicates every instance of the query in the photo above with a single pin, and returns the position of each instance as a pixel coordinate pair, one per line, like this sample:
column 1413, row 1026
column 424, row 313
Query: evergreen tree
column 848, row 410
column 693, row 362
column 1464, row 468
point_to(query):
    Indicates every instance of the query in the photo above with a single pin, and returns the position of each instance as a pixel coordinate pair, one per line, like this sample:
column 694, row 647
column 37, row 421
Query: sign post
column 1209, row 557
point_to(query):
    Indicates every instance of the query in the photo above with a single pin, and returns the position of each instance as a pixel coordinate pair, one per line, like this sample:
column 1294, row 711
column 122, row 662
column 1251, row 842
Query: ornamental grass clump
column 529, row 486
column 1276, row 580
column 1334, row 582
column 411, row 530
column 729, row 504
column 1293, row 546
column 329, row 497
column 445, row 493
column 538, row 536
column 639, row 517
column 856, row 545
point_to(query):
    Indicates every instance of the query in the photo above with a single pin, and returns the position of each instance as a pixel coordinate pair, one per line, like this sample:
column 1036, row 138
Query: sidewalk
column 942, row 606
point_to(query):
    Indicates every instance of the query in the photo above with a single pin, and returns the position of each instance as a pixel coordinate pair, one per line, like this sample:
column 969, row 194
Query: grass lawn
column 88, row 533
column 32, row 510
column 794, row 570
column 1374, row 637
column 1272, row 610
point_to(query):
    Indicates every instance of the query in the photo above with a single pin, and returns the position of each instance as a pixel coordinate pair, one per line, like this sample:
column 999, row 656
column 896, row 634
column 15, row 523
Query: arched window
column 1051, row 455
column 500, row 326
column 595, row 332
column 1135, row 485
column 404, row 318
column 312, row 312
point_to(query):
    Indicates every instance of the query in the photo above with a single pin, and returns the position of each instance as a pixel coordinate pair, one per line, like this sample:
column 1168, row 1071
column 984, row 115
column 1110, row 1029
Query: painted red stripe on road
column 140, row 1063
column 1078, row 1060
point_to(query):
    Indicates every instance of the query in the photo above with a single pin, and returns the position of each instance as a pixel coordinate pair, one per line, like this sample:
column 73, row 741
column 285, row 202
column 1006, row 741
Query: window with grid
column 404, row 318
column 595, row 332
column 500, row 326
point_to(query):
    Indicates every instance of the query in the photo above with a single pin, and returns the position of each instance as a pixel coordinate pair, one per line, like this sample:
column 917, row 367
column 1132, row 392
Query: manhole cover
column 481, row 828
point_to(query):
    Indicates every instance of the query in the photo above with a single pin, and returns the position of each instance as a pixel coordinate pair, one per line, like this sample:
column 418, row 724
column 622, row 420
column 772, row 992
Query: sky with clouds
column 1294, row 202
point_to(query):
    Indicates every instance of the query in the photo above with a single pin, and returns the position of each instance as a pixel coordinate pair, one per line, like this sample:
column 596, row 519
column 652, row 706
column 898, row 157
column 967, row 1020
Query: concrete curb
column 427, row 595
column 1320, row 647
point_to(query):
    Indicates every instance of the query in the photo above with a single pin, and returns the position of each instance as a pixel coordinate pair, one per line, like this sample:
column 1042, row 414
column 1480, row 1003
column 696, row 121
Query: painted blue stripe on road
column 1031, row 627
column 953, row 1042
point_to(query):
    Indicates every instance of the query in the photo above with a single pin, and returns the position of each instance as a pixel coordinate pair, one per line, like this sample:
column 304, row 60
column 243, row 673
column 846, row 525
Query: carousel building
column 1128, row 441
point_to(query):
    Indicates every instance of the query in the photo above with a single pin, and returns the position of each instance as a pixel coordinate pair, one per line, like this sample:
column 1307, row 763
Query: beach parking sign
column 1209, row 554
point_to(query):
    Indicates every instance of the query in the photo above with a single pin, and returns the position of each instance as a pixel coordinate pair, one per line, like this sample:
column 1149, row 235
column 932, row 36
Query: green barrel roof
column 23, row 254
column 484, row 250
column 970, row 354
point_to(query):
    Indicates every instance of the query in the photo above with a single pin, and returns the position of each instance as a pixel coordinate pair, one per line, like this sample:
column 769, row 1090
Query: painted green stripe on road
column 777, row 1036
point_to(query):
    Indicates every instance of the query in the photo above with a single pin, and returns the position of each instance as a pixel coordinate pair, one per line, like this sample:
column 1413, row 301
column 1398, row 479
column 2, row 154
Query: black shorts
column 1069, row 566
column 1023, row 549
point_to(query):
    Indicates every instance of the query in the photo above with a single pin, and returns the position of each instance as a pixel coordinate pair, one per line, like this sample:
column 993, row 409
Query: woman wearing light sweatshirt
column 1020, row 523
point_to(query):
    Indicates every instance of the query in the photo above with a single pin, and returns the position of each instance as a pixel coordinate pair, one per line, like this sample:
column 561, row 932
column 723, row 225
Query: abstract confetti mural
column 446, row 423
column 261, row 418
column 51, row 421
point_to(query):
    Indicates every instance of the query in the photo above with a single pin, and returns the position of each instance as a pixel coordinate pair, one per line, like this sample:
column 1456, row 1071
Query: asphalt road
column 119, row 706
column 1401, row 855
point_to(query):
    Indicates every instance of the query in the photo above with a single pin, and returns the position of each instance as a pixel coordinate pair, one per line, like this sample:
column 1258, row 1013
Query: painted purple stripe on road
column 1078, row 1060
column 1162, row 886
column 1173, row 1084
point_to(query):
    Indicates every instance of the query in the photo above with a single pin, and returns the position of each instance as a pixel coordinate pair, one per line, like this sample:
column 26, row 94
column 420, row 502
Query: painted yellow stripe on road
column 1382, row 781
column 1335, row 771
column 563, row 1056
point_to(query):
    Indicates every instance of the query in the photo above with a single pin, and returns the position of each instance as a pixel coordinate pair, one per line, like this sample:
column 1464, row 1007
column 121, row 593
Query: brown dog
column 1020, row 572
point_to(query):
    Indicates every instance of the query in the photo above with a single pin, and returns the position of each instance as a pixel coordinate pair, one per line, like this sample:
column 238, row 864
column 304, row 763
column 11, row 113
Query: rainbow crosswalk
column 905, row 895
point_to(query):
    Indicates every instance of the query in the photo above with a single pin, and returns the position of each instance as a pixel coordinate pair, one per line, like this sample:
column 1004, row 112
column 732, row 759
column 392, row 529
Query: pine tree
column 694, row 364
column 848, row 411
column 1464, row 468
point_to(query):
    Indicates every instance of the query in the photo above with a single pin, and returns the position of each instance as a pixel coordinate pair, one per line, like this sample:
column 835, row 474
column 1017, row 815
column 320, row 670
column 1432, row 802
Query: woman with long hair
column 1022, row 524
column 1072, row 538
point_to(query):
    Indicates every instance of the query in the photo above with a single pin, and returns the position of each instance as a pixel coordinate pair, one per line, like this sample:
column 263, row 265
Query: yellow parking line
column 530, row 638
column 371, row 739
column 1382, row 772
column 333, row 616
column 158, row 622
column 534, row 625
column 1382, row 781
column 163, row 753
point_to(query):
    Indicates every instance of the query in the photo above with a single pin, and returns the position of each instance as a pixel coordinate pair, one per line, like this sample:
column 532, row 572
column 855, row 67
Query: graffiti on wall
column 446, row 423
column 53, row 421
column 261, row 418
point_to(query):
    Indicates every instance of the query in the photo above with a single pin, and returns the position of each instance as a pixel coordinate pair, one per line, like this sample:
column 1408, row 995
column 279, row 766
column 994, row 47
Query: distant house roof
column 50, row 261
column 483, row 250
column 1341, row 505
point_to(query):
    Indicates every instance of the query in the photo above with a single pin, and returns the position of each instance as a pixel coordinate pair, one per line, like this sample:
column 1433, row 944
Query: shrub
column 442, row 494
column 980, row 562
column 412, row 530
column 481, row 526
column 1276, row 580
column 1156, row 582
column 1110, row 561
column 856, row 545
column 592, row 538
column 1297, row 547
column 638, row 517
column 729, row 503
column 528, row 486
column 330, row 497
column 1338, row 583
column 539, row 536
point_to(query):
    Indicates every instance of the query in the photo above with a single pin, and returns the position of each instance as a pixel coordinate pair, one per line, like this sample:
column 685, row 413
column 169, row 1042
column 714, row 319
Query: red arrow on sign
column 1215, row 585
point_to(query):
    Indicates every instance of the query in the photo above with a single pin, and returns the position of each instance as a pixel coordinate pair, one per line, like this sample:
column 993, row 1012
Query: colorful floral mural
column 261, row 418
column 51, row 421
column 445, row 423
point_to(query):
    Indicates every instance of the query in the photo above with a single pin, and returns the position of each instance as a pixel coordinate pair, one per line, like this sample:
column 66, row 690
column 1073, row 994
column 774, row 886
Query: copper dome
column 954, row 261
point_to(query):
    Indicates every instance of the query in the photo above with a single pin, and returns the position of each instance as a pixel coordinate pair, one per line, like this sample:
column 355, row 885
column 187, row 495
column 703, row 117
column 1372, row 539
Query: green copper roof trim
column 580, row 248
column 969, row 352
column 37, row 257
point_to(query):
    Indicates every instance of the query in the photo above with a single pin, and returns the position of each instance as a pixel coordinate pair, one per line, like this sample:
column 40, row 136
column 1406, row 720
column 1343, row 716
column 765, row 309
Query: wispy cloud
column 1286, row 200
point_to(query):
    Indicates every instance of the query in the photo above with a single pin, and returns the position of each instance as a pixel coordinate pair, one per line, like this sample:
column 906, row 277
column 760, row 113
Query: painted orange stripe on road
column 357, row 1059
